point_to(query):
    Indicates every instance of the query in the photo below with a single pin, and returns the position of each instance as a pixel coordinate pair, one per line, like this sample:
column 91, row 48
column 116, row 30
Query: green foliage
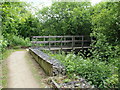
column 17, row 40
column 66, row 18
column 105, row 23
column 17, row 20
column 106, row 30
column 10, row 17
column 3, row 45
column 66, row 80
column 98, row 73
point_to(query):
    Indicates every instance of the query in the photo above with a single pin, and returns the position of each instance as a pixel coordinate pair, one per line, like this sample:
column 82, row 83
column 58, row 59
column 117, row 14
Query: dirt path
column 20, row 75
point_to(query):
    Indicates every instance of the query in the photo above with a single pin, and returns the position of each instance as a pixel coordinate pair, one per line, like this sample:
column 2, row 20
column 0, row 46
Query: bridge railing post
column 49, row 43
column 32, row 43
column 36, row 43
column 73, row 43
column 55, row 42
column 82, row 42
column 61, row 43
column 64, row 40
column 44, row 43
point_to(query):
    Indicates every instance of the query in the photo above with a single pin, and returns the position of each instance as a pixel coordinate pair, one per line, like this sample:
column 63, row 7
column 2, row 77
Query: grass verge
column 4, row 67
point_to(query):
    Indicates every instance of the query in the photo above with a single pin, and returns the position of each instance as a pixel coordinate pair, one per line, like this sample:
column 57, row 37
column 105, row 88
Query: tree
column 17, row 20
column 106, row 29
column 66, row 18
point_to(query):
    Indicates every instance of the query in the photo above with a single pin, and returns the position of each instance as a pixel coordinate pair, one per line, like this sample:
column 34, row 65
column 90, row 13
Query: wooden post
column 82, row 42
column 55, row 42
column 61, row 43
column 36, row 42
column 64, row 40
column 73, row 43
column 32, row 43
column 44, row 43
column 49, row 43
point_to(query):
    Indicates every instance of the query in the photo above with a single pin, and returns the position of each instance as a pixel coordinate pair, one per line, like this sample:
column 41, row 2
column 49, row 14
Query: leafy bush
column 18, row 41
column 98, row 73
column 3, row 45
column 17, row 20
column 105, row 52
column 105, row 29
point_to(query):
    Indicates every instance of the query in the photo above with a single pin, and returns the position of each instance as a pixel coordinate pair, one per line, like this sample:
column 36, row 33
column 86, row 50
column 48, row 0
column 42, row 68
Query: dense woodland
column 101, row 21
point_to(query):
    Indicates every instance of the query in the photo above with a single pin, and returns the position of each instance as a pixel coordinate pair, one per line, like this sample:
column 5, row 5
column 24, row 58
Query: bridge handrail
column 63, row 39
column 59, row 36
column 67, row 41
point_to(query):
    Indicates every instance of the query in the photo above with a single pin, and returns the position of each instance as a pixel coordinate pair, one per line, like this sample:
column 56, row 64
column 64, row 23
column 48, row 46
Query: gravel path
column 20, row 75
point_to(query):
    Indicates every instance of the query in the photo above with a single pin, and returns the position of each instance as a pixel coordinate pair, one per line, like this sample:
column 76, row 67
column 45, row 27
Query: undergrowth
column 98, row 73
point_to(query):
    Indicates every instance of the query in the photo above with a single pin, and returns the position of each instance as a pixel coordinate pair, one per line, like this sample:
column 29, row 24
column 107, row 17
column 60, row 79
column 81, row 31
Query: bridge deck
column 64, row 48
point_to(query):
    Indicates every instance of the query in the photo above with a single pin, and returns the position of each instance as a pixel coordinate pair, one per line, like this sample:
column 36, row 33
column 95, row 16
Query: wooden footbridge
column 61, row 42
column 50, row 65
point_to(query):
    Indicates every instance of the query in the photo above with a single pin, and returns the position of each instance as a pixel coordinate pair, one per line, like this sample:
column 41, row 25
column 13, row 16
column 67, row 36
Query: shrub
column 18, row 41
column 3, row 45
column 98, row 73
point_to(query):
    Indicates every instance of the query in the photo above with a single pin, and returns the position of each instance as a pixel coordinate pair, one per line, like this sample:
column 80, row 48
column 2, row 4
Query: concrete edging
column 51, row 66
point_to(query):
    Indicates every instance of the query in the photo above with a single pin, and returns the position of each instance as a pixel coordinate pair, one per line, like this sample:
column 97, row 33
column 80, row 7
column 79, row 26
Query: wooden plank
column 54, row 36
column 64, row 40
column 35, row 40
column 61, row 43
column 58, row 48
column 44, row 40
column 73, row 42
column 67, row 41
column 82, row 42
column 49, row 43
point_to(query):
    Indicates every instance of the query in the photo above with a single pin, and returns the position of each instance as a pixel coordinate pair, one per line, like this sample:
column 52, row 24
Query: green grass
column 4, row 75
column 7, row 53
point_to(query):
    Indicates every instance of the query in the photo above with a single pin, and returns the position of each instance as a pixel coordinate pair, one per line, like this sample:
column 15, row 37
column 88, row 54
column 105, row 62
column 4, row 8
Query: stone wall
column 51, row 66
